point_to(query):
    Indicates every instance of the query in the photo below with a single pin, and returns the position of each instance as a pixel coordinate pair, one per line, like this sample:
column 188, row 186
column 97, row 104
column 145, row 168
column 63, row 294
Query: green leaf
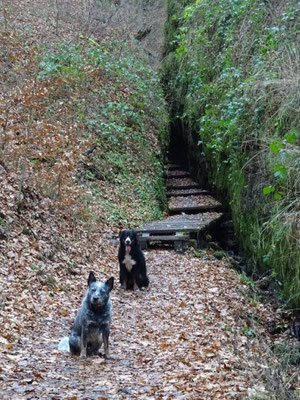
column 290, row 138
column 275, row 146
column 268, row 190
column 249, row 332
column 280, row 171
column 278, row 196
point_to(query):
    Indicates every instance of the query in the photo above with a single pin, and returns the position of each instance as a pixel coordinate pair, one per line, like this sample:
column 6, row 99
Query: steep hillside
column 83, row 132
column 83, row 123
column 232, row 76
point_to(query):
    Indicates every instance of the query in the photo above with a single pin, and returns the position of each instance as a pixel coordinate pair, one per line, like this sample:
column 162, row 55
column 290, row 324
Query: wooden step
column 177, row 174
column 187, row 192
column 183, row 187
column 180, row 242
column 163, row 238
column 181, row 224
column 172, row 167
column 180, row 230
column 186, row 225
column 196, row 209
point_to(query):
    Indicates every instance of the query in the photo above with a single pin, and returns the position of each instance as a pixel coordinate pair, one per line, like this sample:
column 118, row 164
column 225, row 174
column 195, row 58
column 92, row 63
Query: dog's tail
column 64, row 345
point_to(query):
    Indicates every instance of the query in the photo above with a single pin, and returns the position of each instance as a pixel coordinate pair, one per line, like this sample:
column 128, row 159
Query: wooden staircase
column 192, row 211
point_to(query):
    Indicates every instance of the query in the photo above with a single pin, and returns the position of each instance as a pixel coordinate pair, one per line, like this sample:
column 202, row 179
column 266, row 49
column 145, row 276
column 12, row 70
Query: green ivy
column 231, row 71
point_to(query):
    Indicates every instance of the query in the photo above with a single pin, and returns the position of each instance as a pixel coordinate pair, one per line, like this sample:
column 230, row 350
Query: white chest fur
column 129, row 262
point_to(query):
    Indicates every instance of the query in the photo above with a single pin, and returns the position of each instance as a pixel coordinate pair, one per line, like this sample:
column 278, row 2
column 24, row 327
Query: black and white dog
column 133, row 273
column 92, row 323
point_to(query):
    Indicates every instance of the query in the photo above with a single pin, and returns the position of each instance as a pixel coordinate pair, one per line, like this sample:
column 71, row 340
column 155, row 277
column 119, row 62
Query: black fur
column 133, row 272
column 92, row 323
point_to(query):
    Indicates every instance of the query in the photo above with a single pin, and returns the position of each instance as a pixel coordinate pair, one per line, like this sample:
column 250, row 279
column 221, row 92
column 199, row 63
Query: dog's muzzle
column 127, row 245
column 96, row 301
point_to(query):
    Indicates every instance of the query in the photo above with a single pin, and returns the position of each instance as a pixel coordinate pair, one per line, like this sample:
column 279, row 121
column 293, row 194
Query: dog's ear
column 91, row 278
column 135, row 236
column 110, row 283
column 121, row 233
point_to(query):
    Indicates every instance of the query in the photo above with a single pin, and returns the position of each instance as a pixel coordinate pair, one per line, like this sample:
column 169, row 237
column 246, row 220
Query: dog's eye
column 94, row 290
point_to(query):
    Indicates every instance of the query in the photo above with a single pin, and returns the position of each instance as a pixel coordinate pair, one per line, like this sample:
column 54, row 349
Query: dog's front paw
column 83, row 355
column 109, row 358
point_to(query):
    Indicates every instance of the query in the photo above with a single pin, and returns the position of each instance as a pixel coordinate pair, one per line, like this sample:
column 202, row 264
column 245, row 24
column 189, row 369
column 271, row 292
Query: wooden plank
column 178, row 247
column 173, row 167
column 196, row 209
column 188, row 192
column 180, row 242
column 175, row 227
column 183, row 187
column 164, row 238
column 169, row 228
column 182, row 220
column 174, row 174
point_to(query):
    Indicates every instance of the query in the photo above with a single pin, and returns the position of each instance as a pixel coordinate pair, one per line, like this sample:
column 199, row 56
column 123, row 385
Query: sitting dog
column 133, row 273
column 92, row 323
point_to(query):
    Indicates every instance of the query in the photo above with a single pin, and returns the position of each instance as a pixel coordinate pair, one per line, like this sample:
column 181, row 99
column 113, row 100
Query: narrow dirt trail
column 181, row 339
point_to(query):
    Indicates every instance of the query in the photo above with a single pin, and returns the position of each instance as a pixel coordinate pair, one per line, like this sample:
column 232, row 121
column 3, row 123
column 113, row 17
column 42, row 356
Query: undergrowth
column 231, row 72
column 86, row 129
column 124, row 114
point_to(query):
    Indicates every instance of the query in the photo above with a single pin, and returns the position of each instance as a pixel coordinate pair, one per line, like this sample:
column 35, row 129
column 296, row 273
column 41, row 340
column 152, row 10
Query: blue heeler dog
column 92, row 323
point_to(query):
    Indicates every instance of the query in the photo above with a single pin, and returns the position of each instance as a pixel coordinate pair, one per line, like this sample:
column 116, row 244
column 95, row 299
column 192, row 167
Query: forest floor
column 194, row 334
column 198, row 332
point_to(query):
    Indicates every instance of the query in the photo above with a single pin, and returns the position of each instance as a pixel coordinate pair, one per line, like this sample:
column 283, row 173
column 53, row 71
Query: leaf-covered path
column 181, row 339
column 196, row 334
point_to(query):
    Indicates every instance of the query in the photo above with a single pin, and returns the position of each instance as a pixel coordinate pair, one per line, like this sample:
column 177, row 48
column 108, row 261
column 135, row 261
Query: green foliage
column 200, row 254
column 35, row 267
column 3, row 222
column 288, row 353
column 245, row 280
column 64, row 62
column 117, row 103
column 249, row 332
column 232, row 72
column 26, row 231
column 219, row 254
